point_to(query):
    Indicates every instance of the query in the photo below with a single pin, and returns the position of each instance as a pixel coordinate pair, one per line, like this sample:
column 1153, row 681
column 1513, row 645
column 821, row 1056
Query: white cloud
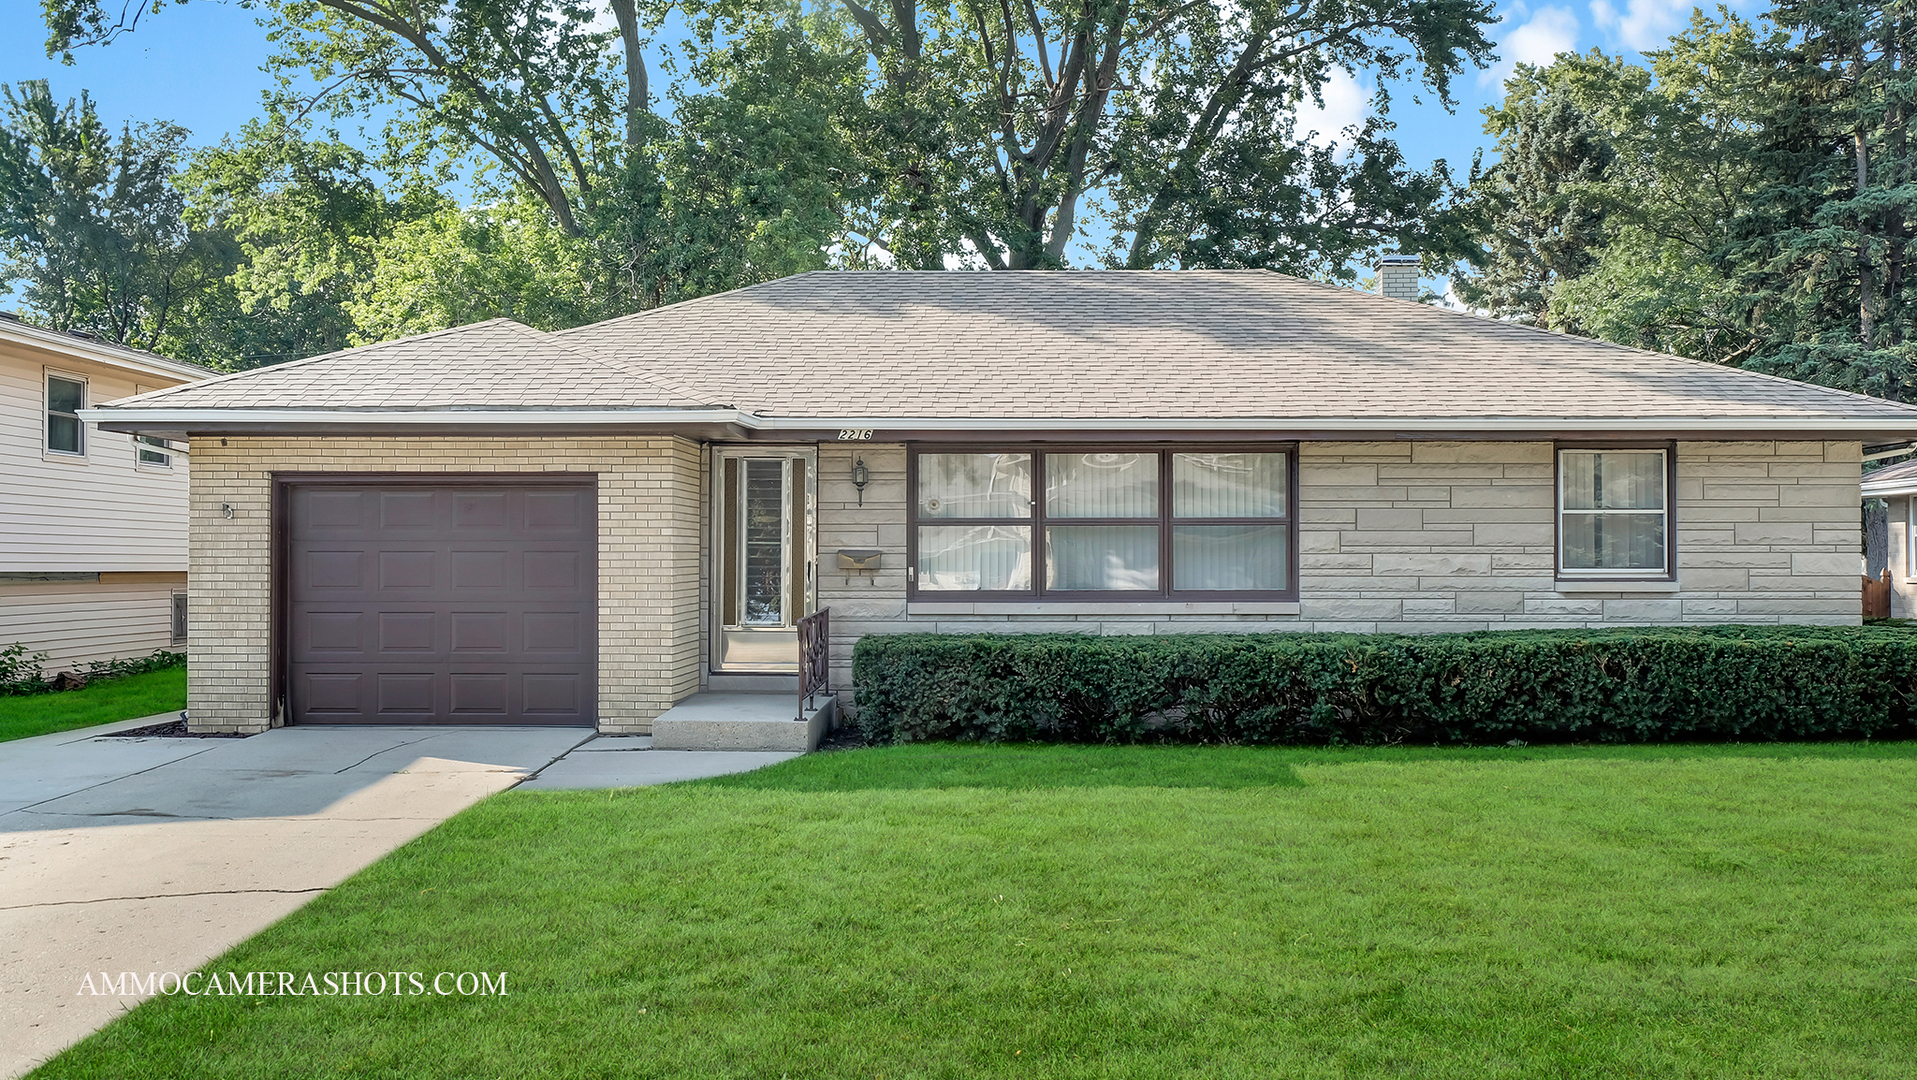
column 1642, row 24
column 1551, row 31
column 1346, row 102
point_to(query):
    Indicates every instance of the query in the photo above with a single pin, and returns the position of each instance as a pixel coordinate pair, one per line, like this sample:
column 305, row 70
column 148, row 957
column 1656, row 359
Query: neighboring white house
column 92, row 523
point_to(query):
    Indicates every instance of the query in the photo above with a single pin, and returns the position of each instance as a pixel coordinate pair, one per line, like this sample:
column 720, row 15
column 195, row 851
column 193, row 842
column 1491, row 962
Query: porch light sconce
column 226, row 510
column 861, row 476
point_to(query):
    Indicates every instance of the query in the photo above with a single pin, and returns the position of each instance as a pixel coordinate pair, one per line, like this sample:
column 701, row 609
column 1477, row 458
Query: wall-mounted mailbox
column 859, row 558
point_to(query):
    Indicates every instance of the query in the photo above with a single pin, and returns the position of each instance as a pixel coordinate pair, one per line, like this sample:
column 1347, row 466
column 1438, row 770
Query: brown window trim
column 1670, row 510
column 1037, row 521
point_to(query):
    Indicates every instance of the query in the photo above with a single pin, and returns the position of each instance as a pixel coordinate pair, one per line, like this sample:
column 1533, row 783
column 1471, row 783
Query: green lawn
column 941, row 911
column 99, row 703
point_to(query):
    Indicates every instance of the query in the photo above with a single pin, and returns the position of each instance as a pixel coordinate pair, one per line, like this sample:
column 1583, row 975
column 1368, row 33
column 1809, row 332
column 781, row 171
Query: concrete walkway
column 157, row 855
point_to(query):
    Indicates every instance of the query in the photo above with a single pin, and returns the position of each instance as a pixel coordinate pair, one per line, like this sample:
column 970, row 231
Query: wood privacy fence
column 1877, row 596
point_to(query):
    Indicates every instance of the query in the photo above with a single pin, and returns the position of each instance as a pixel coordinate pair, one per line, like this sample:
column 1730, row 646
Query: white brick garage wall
column 649, row 538
column 1408, row 536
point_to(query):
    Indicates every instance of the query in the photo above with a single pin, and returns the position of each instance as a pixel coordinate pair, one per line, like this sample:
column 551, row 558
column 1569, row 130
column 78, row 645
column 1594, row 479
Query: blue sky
column 199, row 65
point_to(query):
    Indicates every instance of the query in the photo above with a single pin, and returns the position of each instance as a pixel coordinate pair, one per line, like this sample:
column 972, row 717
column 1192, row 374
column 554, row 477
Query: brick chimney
column 1398, row 277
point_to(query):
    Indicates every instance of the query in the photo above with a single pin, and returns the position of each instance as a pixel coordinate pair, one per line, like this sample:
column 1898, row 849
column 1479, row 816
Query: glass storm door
column 763, row 521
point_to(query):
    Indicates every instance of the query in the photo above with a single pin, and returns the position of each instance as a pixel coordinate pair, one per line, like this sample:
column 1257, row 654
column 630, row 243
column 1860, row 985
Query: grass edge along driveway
column 959, row 911
column 99, row 702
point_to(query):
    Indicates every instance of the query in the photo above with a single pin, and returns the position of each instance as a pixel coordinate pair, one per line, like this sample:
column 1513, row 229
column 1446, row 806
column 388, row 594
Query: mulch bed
column 846, row 737
column 172, row 729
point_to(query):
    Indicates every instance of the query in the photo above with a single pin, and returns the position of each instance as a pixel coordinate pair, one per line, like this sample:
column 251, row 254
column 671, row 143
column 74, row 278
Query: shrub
column 116, row 669
column 1635, row 685
column 24, row 673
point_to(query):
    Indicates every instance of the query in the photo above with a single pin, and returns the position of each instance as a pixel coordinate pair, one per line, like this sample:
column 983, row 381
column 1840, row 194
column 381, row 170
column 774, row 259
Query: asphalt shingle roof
column 493, row 364
column 1901, row 477
column 1078, row 345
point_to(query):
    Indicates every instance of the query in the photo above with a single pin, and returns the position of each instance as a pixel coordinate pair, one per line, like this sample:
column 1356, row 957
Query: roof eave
column 179, row 422
column 103, row 353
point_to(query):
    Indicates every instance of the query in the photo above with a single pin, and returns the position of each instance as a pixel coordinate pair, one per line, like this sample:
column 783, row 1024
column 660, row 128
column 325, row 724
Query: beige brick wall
column 1417, row 537
column 650, row 520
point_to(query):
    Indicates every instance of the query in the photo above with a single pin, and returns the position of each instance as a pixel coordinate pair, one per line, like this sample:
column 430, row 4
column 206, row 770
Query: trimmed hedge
column 1630, row 685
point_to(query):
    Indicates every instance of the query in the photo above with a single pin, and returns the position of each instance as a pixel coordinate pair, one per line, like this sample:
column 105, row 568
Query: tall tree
column 1546, row 201
column 521, row 82
column 1826, row 249
column 986, row 129
column 306, row 219
column 92, row 226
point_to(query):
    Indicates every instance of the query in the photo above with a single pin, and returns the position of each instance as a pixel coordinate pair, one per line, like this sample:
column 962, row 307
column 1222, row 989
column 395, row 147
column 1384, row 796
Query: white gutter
column 1906, row 486
column 103, row 352
column 879, row 425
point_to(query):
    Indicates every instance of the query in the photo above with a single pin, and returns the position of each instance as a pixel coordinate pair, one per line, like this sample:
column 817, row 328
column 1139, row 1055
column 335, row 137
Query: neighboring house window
column 1103, row 523
column 153, row 451
column 1910, row 536
column 179, row 618
column 65, row 398
column 1614, row 513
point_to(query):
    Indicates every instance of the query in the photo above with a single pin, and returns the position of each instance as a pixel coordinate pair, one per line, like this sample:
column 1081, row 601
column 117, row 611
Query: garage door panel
column 407, row 694
column 408, row 632
column 553, row 571
column 408, row 509
column 485, row 693
column 552, row 632
column 409, row 569
column 481, row 632
column 335, row 693
column 481, row 571
column 548, row 511
column 442, row 604
column 331, row 631
column 328, row 569
column 334, row 509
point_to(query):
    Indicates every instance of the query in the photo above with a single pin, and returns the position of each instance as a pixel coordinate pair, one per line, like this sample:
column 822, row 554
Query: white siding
column 100, row 512
column 75, row 622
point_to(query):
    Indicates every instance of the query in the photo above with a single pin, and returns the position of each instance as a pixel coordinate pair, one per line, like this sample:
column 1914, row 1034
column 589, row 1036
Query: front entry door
column 763, row 559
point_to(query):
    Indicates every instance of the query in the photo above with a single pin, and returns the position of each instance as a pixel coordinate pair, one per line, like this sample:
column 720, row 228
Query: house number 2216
column 863, row 434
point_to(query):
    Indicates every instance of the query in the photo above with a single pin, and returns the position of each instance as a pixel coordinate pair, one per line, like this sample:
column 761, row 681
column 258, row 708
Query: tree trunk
column 1866, row 277
column 638, row 94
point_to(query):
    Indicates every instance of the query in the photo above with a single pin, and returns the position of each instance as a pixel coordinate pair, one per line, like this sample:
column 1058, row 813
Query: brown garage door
column 441, row 604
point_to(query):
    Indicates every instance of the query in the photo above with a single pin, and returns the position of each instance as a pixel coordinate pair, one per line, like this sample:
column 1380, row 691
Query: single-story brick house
column 497, row 524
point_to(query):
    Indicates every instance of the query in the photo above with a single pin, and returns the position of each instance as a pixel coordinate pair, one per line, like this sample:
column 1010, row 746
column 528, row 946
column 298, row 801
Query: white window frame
column 47, row 413
column 1668, row 572
column 159, row 448
column 1910, row 534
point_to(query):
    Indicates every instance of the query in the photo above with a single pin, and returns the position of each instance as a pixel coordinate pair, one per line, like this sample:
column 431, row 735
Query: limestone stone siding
column 1416, row 537
column 650, row 514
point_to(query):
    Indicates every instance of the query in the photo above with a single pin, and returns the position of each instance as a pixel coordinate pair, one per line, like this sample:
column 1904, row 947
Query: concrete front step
column 744, row 722
column 724, row 683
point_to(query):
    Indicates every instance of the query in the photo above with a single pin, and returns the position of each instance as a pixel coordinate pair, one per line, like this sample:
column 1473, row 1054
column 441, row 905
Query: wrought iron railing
column 815, row 657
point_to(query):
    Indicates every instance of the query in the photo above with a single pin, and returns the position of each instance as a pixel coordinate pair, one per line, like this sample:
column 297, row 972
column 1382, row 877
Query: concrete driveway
column 144, row 855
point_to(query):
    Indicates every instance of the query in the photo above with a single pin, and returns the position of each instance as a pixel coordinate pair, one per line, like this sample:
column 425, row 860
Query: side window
column 1613, row 513
column 65, row 398
column 153, row 451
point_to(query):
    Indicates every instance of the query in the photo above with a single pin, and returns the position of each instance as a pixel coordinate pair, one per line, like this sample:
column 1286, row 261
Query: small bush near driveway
column 1637, row 685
